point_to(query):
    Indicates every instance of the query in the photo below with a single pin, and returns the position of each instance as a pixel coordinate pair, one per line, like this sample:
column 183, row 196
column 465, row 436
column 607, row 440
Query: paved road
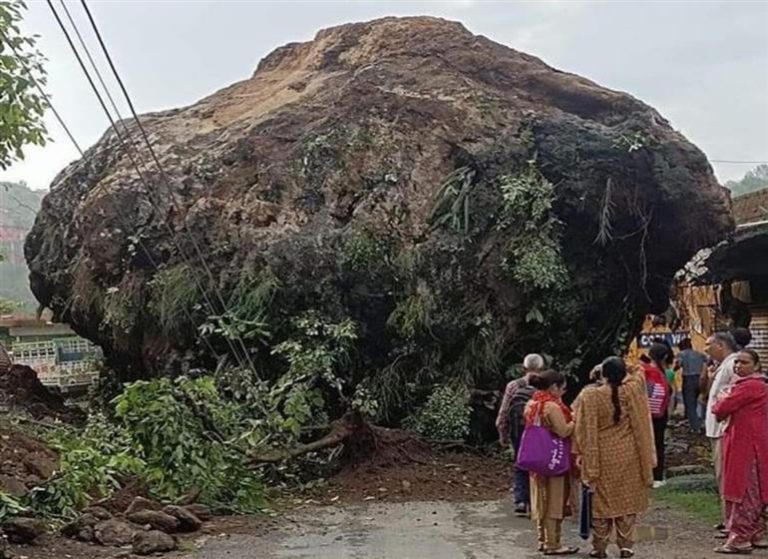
column 422, row 530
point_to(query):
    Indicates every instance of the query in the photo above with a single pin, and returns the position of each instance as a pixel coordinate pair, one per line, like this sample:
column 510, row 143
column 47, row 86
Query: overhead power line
column 126, row 149
column 97, row 72
column 121, row 216
column 163, row 174
column 44, row 95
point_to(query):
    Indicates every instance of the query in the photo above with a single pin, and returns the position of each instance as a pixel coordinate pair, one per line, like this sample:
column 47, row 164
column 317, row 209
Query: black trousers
column 659, row 432
column 521, row 482
column 691, row 399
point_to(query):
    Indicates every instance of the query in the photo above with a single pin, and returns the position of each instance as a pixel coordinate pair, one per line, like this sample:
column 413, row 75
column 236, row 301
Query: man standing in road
column 721, row 347
column 510, row 424
column 693, row 364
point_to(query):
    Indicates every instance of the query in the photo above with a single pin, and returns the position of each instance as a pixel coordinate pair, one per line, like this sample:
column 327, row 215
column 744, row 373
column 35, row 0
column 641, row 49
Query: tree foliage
column 445, row 415
column 21, row 104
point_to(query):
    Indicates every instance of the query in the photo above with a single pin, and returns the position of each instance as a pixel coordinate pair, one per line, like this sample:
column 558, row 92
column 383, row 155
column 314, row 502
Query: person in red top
column 659, row 394
column 745, row 454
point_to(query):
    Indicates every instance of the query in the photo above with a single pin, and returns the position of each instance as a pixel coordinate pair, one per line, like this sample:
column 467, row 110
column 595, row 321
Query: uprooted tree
column 393, row 205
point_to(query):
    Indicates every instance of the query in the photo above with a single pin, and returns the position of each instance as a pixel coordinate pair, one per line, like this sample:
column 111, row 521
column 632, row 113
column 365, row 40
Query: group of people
column 617, row 427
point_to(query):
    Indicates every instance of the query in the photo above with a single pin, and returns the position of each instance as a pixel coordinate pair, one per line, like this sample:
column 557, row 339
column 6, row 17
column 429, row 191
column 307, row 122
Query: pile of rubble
column 146, row 526
column 24, row 463
column 21, row 391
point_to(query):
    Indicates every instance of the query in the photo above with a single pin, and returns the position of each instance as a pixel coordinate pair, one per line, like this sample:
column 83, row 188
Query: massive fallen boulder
column 463, row 202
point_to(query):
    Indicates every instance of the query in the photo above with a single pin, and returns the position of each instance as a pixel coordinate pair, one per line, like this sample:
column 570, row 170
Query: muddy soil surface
column 407, row 530
column 425, row 530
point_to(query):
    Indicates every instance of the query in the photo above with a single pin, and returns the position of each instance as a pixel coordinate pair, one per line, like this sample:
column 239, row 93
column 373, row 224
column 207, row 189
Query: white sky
column 703, row 65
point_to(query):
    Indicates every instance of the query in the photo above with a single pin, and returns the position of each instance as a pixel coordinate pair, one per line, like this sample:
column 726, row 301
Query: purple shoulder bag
column 544, row 453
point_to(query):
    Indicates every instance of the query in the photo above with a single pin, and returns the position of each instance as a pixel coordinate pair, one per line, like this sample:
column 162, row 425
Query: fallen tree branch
column 340, row 431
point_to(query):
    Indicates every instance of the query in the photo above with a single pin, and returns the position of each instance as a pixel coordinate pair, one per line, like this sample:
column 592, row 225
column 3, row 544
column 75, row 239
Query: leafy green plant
column 445, row 416
column 412, row 316
column 319, row 348
column 123, row 304
column 364, row 252
column 364, row 402
column 181, row 430
column 452, row 207
column 22, row 106
column 527, row 197
column 246, row 316
column 541, row 267
column 10, row 506
column 91, row 466
column 175, row 296
column 7, row 306
column 480, row 360
column 631, row 142
column 534, row 259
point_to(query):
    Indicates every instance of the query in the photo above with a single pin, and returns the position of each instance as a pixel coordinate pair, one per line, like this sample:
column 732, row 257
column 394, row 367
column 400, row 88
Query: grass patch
column 175, row 293
column 702, row 505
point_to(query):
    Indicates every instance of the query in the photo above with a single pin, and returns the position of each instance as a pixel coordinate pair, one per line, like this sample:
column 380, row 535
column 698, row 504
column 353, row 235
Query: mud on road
column 427, row 530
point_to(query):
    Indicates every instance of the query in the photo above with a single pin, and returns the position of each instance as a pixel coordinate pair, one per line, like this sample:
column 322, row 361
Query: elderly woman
column 745, row 448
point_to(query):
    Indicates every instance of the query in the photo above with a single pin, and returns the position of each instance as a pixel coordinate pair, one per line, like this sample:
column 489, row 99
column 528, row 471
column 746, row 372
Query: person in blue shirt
column 692, row 363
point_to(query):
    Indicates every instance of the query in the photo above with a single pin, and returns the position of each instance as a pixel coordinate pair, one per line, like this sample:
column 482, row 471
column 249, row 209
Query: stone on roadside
column 200, row 511
column 114, row 532
column 40, row 464
column 141, row 504
column 156, row 519
column 692, row 483
column 82, row 523
column 693, row 469
column 99, row 512
column 13, row 486
column 154, row 541
column 187, row 520
column 22, row 530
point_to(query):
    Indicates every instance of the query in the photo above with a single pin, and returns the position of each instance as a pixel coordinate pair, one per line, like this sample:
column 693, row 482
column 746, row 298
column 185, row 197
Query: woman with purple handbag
column 545, row 451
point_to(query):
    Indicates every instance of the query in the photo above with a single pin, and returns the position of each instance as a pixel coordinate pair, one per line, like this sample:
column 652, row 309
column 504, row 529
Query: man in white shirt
column 722, row 348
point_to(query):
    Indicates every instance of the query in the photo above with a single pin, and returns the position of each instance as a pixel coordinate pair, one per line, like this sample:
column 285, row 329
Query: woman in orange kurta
column 745, row 454
column 551, row 497
column 615, row 445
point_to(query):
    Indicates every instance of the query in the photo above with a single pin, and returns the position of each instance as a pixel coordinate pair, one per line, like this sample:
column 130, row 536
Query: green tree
column 756, row 179
column 21, row 104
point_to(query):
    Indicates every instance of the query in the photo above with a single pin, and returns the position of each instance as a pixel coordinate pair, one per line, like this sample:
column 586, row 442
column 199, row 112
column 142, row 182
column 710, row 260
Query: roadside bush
column 445, row 416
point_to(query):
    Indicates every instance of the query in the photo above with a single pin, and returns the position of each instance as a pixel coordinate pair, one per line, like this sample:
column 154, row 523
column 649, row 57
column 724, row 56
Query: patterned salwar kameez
column 745, row 459
column 616, row 459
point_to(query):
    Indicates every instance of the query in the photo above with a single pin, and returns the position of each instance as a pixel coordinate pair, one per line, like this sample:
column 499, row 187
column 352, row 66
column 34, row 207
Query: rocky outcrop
column 463, row 202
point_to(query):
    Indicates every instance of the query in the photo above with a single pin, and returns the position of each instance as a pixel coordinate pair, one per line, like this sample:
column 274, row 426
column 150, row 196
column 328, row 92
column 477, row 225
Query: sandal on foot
column 726, row 549
column 562, row 551
column 598, row 554
column 719, row 527
column 626, row 553
column 760, row 544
